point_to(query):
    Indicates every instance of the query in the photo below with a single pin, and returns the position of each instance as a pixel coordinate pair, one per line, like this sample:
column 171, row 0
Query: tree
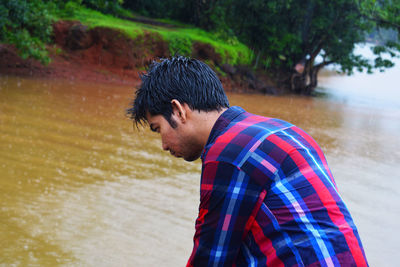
column 105, row 6
column 386, row 16
column 27, row 25
column 288, row 35
column 172, row 9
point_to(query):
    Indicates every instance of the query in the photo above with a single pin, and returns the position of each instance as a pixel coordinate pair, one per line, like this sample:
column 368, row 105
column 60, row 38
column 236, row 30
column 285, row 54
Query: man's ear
column 179, row 110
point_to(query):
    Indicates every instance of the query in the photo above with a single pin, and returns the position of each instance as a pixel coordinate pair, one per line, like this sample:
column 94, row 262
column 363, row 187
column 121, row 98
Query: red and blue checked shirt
column 268, row 198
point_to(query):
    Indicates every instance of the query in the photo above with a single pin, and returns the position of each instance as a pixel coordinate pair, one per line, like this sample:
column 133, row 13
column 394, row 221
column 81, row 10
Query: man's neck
column 205, row 122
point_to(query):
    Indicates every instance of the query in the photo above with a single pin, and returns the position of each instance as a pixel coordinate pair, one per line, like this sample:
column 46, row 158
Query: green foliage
column 178, row 44
column 385, row 14
column 171, row 9
column 113, row 7
column 283, row 33
column 180, row 38
column 105, row 6
column 287, row 32
column 27, row 25
column 93, row 18
column 209, row 15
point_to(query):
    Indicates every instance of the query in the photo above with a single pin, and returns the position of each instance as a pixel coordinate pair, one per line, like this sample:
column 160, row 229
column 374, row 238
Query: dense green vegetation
column 286, row 33
column 292, row 40
column 180, row 38
column 27, row 25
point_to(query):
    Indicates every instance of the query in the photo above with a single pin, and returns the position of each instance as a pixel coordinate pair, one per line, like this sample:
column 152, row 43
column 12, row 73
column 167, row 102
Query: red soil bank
column 106, row 55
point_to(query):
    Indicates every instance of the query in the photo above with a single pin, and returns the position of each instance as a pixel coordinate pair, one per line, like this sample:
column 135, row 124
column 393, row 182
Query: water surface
column 80, row 186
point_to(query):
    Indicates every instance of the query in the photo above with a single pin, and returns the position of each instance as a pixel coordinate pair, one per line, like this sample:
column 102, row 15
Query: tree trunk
column 313, row 81
column 298, row 82
column 257, row 59
column 306, row 82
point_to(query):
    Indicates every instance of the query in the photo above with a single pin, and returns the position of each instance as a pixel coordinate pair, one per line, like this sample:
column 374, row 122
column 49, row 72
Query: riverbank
column 63, row 66
column 107, row 55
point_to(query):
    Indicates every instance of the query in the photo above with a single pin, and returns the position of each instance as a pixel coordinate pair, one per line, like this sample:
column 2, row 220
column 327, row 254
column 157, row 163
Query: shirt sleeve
column 229, row 201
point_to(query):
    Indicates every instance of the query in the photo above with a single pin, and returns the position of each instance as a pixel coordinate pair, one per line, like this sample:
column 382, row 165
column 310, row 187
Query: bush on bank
column 27, row 25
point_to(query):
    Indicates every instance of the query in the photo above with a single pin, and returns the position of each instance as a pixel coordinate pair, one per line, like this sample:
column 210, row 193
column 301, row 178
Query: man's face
column 178, row 141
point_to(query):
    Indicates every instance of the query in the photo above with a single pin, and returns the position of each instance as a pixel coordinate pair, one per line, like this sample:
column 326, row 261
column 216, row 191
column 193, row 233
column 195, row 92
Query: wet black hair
column 185, row 79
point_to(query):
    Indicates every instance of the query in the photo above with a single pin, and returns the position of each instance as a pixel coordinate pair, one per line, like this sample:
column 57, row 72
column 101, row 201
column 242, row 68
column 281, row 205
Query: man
column 267, row 196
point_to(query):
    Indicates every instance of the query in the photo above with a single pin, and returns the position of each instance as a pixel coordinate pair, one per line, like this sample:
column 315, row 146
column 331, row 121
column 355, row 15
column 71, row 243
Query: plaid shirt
column 268, row 198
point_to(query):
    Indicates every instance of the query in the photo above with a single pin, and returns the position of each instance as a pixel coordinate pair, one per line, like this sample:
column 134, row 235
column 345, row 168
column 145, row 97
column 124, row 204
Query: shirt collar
column 226, row 117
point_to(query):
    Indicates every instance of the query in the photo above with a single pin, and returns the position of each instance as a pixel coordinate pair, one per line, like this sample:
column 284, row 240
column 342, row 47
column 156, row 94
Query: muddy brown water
column 80, row 186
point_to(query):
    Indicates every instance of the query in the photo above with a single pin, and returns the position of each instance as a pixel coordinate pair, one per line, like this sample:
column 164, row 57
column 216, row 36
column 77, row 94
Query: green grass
column 183, row 38
column 92, row 19
column 180, row 38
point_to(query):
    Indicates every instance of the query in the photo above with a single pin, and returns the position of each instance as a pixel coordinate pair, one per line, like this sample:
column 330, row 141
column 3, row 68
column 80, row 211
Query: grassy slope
column 179, row 38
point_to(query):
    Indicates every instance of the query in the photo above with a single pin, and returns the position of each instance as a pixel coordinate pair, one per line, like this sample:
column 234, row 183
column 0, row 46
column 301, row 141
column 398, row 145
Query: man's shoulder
column 242, row 136
column 247, row 127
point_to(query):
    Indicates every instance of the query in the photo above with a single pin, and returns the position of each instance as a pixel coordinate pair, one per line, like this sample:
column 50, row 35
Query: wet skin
column 190, row 132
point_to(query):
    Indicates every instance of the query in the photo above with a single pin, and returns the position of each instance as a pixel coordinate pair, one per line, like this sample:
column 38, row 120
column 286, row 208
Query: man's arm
column 229, row 202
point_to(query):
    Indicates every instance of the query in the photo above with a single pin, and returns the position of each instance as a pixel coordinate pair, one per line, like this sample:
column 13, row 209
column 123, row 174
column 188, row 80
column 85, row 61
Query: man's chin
column 191, row 158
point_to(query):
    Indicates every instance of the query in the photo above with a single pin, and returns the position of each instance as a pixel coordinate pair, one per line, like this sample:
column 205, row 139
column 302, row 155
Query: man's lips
column 174, row 154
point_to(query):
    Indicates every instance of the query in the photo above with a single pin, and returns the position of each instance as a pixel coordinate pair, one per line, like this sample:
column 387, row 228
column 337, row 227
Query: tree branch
column 323, row 64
